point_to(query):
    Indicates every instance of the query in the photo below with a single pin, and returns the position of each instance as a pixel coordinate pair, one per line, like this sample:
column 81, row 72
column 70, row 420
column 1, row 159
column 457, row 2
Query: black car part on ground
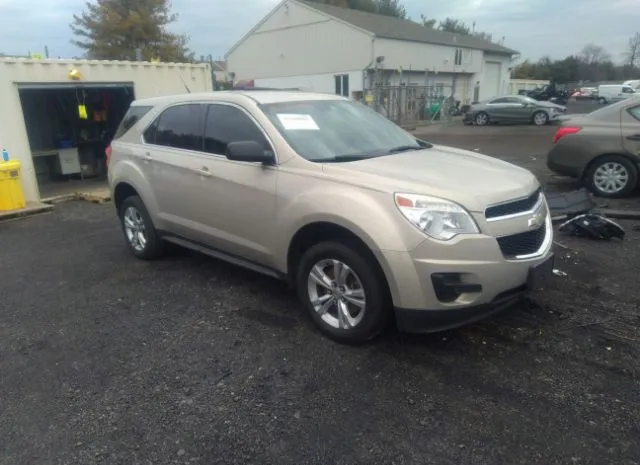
column 568, row 204
column 592, row 226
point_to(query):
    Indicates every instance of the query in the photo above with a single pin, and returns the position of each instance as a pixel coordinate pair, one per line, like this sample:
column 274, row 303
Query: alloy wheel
column 481, row 119
column 611, row 177
column 135, row 228
column 540, row 119
column 336, row 294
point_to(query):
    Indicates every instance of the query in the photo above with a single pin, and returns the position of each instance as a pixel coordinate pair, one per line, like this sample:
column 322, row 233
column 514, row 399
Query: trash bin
column 11, row 195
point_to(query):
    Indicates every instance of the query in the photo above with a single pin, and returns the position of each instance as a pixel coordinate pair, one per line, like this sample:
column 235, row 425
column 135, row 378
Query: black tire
column 538, row 113
column 481, row 119
column 632, row 181
column 154, row 246
column 602, row 101
column 378, row 303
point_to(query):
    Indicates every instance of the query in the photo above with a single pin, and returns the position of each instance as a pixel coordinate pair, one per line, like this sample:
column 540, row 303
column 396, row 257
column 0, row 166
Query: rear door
column 630, row 125
column 498, row 109
column 173, row 144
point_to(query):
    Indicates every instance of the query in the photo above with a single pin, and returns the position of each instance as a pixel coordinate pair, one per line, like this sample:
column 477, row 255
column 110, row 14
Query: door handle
column 204, row 171
column 634, row 137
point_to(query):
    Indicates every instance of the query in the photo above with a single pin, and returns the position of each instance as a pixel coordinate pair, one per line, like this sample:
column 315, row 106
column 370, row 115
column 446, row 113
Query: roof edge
column 253, row 29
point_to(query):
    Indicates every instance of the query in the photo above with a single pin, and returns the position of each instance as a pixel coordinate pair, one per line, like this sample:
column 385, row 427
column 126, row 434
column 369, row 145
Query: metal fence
column 410, row 103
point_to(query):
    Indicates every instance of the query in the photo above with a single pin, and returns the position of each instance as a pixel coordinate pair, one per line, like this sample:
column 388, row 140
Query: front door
column 237, row 200
column 630, row 125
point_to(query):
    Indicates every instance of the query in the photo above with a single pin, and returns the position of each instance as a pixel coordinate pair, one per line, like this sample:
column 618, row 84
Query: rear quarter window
column 133, row 115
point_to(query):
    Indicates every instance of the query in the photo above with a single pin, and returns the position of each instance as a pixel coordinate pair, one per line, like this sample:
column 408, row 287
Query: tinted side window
column 132, row 116
column 635, row 112
column 627, row 90
column 499, row 100
column 229, row 124
column 181, row 127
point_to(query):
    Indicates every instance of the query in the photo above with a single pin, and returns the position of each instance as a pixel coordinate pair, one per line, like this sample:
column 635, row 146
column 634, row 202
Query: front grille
column 511, row 208
column 522, row 243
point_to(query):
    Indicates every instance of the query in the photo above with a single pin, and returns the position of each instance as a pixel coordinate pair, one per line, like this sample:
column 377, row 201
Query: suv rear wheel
column 138, row 229
column 344, row 292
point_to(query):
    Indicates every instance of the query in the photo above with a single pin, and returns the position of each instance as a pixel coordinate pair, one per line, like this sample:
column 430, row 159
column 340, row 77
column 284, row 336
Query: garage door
column 492, row 79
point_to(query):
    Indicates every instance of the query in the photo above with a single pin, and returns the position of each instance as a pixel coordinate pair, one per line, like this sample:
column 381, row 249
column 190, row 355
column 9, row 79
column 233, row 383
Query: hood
column 472, row 180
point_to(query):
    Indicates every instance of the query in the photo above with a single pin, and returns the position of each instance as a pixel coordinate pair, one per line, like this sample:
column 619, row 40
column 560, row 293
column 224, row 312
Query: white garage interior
column 58, row 116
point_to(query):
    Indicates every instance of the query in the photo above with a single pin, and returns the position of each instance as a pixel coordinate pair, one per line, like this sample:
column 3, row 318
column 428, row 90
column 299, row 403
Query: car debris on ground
column 581, row 217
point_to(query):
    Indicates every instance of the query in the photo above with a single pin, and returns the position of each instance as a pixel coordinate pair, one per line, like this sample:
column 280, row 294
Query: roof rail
column 262, row 88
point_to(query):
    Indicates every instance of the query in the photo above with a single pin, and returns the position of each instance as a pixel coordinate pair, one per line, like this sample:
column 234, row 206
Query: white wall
column 416, row 56
column 488, row 89
column 149, row 80
column 298, row 41
column 323, row 83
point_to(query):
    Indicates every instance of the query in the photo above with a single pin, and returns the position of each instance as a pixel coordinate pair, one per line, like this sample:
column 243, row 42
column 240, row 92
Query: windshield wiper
column 346, row 157
column 405, row 148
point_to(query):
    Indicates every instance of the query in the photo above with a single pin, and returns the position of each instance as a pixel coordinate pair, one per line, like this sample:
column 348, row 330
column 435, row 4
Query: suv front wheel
column 138, row 229
column 344, row 291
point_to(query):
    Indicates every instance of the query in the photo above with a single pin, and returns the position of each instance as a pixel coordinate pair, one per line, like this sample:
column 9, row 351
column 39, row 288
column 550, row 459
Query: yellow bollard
column 11, row 195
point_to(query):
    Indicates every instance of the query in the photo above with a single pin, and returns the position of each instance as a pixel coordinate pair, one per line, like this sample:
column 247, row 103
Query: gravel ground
column 109, row 360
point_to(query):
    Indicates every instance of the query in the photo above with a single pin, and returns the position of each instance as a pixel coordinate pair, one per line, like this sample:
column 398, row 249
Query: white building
column 58, row 116
column 324, row 48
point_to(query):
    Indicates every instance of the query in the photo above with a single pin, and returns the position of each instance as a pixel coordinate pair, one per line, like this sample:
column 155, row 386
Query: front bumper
column 431, row 321
column 479, row 280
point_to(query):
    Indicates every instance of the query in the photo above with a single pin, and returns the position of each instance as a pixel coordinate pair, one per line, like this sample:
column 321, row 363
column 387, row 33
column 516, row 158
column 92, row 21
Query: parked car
column 549, row 93
column 614, row 93
column 601, row 148
column 513, row 109
column 359, row 216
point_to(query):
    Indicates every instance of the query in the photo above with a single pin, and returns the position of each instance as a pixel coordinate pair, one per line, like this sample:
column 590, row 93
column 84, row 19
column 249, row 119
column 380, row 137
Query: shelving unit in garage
column 69, row 126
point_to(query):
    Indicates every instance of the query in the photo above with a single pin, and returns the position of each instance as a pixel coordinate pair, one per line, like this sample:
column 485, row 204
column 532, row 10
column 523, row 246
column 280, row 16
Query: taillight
column 565, row 131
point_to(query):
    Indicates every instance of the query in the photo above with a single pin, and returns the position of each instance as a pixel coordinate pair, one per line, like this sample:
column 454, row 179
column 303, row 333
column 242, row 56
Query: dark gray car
column 513, row 109
column 601, row 148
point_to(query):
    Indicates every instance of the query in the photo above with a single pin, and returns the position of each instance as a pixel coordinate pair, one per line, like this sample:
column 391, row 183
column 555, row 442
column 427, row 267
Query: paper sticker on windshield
column 295, row 122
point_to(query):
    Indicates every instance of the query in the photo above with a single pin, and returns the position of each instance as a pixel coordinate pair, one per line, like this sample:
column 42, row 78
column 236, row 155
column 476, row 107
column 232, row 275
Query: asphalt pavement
column 105, row 359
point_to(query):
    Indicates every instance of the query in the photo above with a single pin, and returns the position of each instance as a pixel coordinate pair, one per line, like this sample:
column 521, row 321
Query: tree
column 426, row 22
column 594, row 54
column 382, row 7
column 454, row 25
column 633, row 50
column 116, row 29
column 390, row 8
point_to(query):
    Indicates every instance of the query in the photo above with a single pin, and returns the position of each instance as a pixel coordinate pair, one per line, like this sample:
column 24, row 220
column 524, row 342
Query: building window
column 458, row 57
column 342, row 84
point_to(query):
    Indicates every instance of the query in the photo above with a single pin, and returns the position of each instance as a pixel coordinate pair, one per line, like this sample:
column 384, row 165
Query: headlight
column 438, row 218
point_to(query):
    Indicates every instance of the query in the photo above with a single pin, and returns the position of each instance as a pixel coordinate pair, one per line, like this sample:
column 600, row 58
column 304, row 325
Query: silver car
column 513, row 109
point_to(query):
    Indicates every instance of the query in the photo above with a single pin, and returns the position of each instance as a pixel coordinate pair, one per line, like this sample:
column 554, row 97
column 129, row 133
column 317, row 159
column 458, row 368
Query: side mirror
column 248, row 151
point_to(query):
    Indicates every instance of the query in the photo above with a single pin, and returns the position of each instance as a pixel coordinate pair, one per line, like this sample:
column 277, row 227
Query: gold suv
column 360, row 217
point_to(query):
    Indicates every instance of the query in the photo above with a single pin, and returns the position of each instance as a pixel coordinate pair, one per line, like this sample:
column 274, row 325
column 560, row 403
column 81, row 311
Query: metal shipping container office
column 40, row 99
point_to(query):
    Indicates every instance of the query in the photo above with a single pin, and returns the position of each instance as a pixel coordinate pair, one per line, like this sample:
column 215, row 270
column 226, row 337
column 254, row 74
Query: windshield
column 337, row 130
column 529, row 100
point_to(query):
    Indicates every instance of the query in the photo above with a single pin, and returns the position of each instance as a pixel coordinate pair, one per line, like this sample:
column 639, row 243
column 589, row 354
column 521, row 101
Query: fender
column 126, row 171
column 369, row 214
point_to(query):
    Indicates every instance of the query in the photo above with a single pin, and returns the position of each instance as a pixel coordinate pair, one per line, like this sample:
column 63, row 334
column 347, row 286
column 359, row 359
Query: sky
column 536, row 28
